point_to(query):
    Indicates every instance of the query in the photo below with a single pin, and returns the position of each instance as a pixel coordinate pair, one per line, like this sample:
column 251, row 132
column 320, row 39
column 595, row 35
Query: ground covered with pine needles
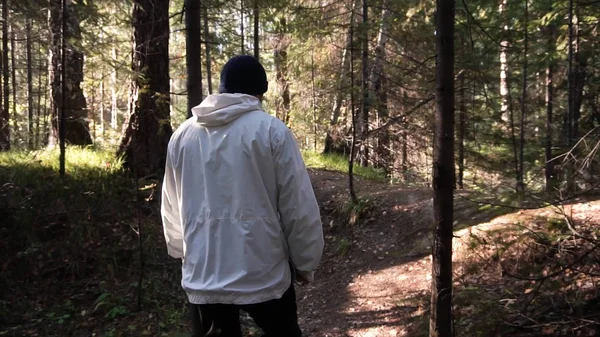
column 72, row 266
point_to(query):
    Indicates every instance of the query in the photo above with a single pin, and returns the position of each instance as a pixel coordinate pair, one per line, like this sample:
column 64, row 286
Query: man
column 239, row 209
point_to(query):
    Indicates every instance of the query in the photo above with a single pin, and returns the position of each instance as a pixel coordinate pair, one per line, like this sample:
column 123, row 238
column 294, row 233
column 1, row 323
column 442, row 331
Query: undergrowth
column 71, row 247
column 334, row 162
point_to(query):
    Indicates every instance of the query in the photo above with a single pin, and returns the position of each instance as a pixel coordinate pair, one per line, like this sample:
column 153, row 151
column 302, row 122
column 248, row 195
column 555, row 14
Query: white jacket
column 237, row 204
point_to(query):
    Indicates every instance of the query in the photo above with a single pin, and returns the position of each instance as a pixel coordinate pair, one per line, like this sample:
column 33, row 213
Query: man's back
column 233, row 186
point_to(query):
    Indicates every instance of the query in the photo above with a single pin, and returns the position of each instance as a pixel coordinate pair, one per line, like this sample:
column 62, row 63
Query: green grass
column 339, row 163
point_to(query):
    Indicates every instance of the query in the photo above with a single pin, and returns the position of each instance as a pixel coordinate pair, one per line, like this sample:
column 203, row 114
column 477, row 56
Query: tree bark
column 405, row 156
column 569, row 120
column 366, row 104
column 76, row 125
column 193, row 54
column 503, row 70
column 256, row 31
column 148, row 129
column 353, row 112
column 242, row 26
column 521, row 173
column 207, row 48
column 549, row 166
column 280, row 58
column 39, row 96
column 30, row 130
column 114, row 109
column 379, row 92
column 5, row 118
column 443, row 174
column 462, row 118
column 330, row 140
column 13, row 72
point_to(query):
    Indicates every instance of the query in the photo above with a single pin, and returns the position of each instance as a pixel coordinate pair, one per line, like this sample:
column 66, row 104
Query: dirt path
column 374, row 275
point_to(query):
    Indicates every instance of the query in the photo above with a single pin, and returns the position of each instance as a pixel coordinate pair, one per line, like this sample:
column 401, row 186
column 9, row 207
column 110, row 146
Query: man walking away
column 238, row 208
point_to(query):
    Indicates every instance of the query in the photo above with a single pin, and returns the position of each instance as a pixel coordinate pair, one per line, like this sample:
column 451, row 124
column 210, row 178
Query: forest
column 452, row 146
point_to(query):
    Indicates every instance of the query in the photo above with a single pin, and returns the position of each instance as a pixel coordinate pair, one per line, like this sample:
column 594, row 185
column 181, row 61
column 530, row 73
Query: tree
column 76, row 126
column 146, row 136
column 30, row 129
column 207, row 47
column 443, row 173
column 521, row 161
column 280, row 58
column 549, row 166
column 5, row 118
column 378, row 90
column 193, row 54
column 366, row 104
column 256, row 30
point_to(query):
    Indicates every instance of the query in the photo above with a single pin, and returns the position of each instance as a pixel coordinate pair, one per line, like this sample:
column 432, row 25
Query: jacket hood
column 221, row 109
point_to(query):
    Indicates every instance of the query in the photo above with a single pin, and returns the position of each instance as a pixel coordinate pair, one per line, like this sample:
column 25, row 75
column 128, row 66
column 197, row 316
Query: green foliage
column 333, row 162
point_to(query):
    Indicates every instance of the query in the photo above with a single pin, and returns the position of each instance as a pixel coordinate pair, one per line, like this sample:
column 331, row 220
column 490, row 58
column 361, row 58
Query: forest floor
column 374, row 279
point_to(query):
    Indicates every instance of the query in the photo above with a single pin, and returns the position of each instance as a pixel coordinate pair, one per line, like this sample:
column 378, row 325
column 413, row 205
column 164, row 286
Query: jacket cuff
column 306, row 275
column 175, row 252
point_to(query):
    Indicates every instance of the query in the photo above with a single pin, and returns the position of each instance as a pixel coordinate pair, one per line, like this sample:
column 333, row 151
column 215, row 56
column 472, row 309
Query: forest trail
column 375, row 276
column 375, row 273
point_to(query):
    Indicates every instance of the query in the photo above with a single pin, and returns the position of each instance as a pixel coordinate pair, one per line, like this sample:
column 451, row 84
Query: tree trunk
column 379, row 92
column 76, row 125
column 148, row 129
column 5, row 118
column 443, row 174
column 314, row 99
column 549, row 166
column 280, row 58
column 330, row 140
column 114, row 109
column 405, row 156
column 39, row 97
column 366, row 104
column 256, row 31
column 13, row 72
column 30, row 131
column 193, row 54
column 242, row 26
column 207, row 48
column 353, row 112
column 462, row 118
column 503, row 70
column 102, row 112
column 569, row 120
column 521, row 173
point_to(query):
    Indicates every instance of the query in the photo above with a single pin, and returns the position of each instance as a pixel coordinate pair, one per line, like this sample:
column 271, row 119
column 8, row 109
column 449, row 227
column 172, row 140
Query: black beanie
column 243, row 74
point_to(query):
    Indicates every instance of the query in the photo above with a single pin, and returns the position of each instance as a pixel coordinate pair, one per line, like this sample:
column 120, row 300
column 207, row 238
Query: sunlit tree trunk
column 503, row 68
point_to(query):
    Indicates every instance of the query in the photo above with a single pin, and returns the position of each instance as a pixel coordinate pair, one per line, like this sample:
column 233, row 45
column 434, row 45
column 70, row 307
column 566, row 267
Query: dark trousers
column 276, row 318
